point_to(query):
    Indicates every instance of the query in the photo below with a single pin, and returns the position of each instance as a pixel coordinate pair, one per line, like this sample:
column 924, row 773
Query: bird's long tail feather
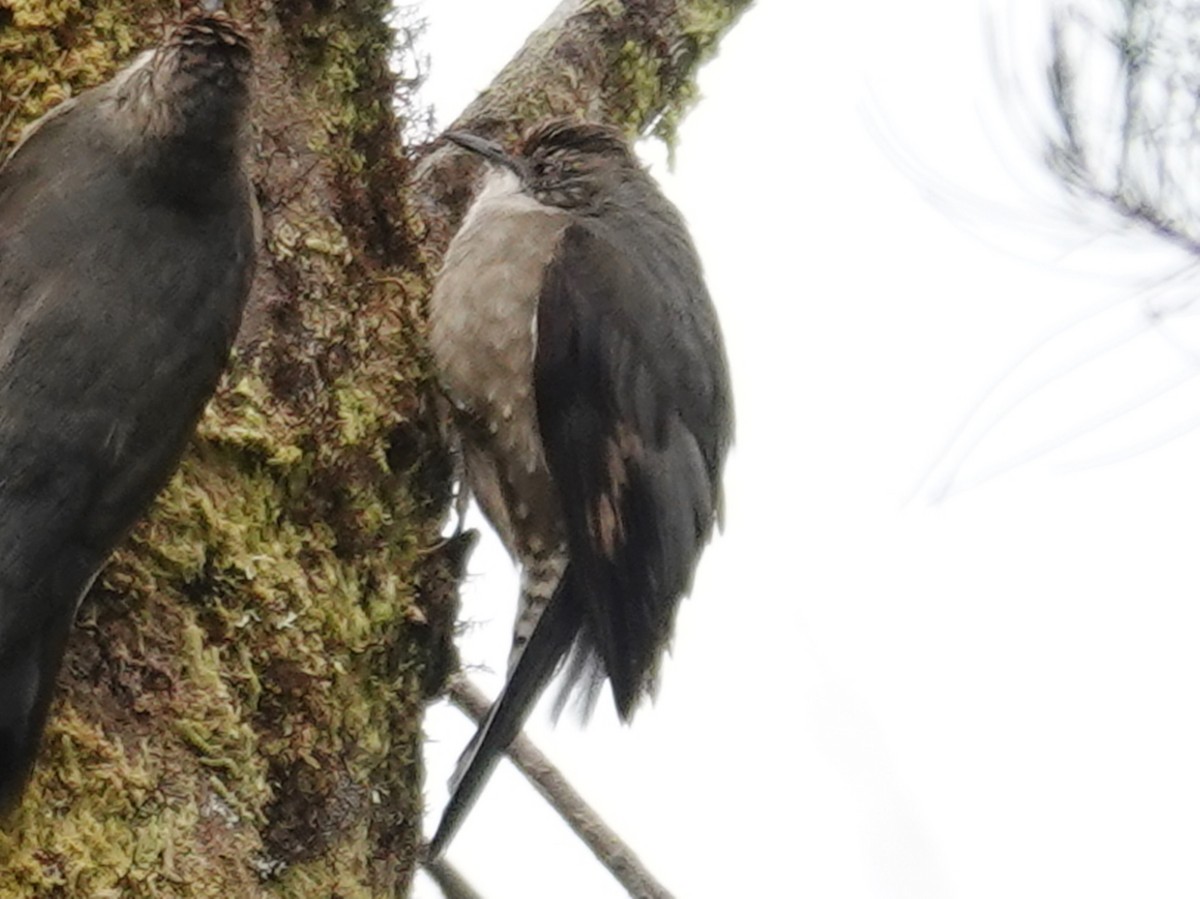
column 542, row 655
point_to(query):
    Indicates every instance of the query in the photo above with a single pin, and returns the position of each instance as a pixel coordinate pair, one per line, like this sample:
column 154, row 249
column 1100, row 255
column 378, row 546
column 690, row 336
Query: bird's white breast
column 483, row 335
column 484, row 306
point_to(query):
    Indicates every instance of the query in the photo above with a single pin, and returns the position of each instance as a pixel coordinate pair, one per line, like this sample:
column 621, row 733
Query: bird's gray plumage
column 127, row 240
column 575, row 337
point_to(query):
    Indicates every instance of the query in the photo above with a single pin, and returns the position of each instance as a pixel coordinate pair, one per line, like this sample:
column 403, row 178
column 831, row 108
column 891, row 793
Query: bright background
column 875, row 693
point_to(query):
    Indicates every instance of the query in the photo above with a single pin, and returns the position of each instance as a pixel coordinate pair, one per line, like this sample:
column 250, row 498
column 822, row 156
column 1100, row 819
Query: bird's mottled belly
column 483, row 334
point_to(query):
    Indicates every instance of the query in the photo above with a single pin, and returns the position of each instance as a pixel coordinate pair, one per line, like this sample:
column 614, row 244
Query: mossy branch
column 632, row 64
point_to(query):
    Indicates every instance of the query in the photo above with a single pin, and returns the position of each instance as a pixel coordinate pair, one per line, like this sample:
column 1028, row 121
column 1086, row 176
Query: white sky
column 872, row 695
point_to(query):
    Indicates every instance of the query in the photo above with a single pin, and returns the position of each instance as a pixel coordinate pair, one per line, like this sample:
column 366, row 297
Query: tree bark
column 239, row 712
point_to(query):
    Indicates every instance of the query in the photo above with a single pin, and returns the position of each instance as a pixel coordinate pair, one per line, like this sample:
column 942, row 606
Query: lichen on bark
column 239, row 712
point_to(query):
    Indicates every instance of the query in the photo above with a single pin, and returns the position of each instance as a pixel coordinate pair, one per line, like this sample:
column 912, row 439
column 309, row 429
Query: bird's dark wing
column 21, row 174
column 635, row 416
column 49, row 434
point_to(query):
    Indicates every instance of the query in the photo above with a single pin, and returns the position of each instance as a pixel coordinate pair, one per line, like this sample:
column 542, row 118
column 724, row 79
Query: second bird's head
column 562, row 162
column 195, row 87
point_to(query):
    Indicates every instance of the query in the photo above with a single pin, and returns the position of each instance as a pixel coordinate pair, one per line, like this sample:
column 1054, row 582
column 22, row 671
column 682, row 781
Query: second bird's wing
column 634, row 411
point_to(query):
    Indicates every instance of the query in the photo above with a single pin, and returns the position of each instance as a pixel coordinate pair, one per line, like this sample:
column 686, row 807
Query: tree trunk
column 239, row 712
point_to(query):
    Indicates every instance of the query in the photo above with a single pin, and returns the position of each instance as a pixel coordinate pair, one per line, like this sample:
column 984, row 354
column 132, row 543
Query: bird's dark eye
column 547, row 169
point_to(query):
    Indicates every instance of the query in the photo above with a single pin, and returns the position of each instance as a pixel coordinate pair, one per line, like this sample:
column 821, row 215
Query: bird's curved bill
column 488, row 149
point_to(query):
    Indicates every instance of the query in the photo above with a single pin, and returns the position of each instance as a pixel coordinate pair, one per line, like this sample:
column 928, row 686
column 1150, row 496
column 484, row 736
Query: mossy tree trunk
column 240, row 709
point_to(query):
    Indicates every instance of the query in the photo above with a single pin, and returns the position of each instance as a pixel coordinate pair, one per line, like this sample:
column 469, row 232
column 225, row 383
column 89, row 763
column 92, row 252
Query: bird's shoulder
column 625, row 307
column 106, row 277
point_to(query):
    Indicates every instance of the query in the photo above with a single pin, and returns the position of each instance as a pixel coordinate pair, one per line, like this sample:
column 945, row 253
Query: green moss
column 658, row 89
column 705, row 21
column 702, row 24
column 82, row 43
column 640, row 71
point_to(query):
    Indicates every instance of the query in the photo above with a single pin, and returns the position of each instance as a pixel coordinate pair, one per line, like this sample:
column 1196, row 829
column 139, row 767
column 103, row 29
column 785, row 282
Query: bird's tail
column 540, row 579
column 28, row 672
column 551, row 639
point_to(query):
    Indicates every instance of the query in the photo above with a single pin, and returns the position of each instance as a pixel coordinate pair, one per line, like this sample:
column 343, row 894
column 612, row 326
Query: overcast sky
column 874, row 694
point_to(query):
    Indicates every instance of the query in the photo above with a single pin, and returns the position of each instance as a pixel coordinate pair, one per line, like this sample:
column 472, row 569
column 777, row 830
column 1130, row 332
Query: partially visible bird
column 127, row 243
column 575, row 338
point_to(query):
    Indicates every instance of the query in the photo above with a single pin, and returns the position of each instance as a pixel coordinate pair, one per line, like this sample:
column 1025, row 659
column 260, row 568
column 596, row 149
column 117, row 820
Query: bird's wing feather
column 25, row 166
column 51, row 118
column 634, row 412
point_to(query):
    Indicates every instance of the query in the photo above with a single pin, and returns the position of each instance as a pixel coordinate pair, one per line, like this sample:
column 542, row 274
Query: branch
column 612, row 852
column 452, row 884
column 1133, row 151
column 630, row 63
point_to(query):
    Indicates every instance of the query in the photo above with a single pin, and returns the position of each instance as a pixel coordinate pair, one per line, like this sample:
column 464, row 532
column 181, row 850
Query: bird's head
column 562, row 162
column 196, row 85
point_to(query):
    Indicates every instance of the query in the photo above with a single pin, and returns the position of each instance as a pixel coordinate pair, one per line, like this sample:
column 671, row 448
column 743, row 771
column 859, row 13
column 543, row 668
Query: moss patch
column 53, row 49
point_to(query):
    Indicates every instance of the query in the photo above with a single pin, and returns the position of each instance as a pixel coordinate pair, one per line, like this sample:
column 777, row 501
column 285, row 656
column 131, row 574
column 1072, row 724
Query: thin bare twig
column 452, row 884
column 609, row 849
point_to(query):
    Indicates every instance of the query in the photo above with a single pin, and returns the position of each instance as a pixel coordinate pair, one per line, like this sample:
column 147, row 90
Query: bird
column 128, row 233
column 573, row 335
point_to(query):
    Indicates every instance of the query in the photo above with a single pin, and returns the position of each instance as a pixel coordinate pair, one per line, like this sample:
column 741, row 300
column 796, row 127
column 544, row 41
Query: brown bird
column 573, row 333
column 127, row 241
